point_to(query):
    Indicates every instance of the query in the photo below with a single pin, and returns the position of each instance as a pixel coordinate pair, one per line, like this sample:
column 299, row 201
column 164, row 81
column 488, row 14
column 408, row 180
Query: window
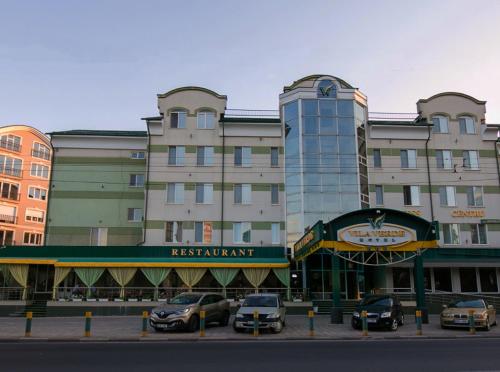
column 9, row 191
column 203, row 232
column 39, row 170
column 173, row 232
column 206, row 120
column 243, row 156
column 37, row 193
column 205, row 156
column 175, row 193
column 10, row 166
column 275, row 233
column 243, row 193
column 6, row 237
column 134, row 214
column 35, row 215
column 411, row 195
column 379, row 195
column 468, row 279
column 242, row 232
column 408, row 158
column 178, row 119
column 447, row 196
column 138, row 155
column 440, row 124
column 176, row 155
column 32, row 238
column 40, row 151
column 471, row 159
column 466, row 125
column 10, row 142
column 98, row 236
column 451, row 233
column 444, row 159
column 442, row 279
column 475, row 196
column 488, row 279
column 377, row 158
column 136, row 180
column 204, row 193
column 275, row 194
column 274, row 157
column 8, row 214
column 478, row 233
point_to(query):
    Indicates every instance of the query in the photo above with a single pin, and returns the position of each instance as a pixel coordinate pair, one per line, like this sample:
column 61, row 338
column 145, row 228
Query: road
column 261, row 356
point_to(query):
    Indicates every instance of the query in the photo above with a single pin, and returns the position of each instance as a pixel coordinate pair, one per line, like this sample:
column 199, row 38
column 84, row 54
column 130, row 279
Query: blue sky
column 98, row 64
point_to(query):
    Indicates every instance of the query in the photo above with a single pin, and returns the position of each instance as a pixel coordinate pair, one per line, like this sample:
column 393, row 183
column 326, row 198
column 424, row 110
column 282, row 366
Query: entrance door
column 40, row 279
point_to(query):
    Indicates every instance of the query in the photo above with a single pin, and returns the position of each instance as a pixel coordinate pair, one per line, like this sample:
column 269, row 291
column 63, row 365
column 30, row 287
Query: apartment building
column 25, row 165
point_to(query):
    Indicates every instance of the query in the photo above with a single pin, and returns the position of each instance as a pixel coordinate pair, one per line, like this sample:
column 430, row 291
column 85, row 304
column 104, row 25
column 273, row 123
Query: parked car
column 271, row 312
column 183, row 311
column 456, row 314
column 383, row 311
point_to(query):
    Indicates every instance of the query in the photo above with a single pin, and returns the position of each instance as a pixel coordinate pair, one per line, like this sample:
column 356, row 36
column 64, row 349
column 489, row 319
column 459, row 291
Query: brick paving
column 123, row 328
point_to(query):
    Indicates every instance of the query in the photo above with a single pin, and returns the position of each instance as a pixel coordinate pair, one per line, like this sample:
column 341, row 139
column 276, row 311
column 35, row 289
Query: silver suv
column 271, row 312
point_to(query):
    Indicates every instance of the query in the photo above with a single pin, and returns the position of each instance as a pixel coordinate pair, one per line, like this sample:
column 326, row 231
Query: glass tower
column 325, row 173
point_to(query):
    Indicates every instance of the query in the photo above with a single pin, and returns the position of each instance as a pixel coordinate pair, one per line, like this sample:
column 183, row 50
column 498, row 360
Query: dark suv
column 383, row 311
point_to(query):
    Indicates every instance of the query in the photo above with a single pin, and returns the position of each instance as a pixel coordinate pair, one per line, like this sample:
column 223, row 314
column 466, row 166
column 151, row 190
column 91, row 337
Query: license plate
column 371, row 320
column 249, row 323
column 162, row 326
column 461, row 321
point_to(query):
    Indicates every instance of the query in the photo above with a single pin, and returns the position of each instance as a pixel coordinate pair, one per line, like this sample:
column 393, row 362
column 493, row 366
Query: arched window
column 178, row 119
column 440, row 124
column 206, row 120
column 466, row 125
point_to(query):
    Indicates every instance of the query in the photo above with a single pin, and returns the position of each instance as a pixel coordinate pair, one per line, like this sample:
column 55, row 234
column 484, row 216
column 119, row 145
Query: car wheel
column 193, row 323
column 278, row 328
column 402, row 320
column 394, row 325
column 224, row 321
column 238, row 329
column 487, row 327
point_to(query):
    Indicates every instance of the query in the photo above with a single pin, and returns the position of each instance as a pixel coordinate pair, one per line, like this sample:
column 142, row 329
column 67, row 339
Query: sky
column 99, row 64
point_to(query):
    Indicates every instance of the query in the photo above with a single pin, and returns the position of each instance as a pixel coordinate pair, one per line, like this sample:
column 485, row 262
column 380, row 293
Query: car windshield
column 384, row 301
column 185, row 299
column 476, row 304
column 260, row 302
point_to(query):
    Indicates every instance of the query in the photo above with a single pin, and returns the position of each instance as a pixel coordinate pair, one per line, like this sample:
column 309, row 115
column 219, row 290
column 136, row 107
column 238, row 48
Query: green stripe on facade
column 68, row 230
column 465, row 227
column 98, row 160
column 132, row 230
column 190, row 149
column 158, row 148
column 96, row 195
column 261, row 150
column 491, row 189
column 261, row 187
column 155, row 225
column 189, row 186
column 153, row 185
column 493, row 227
column 487, row 154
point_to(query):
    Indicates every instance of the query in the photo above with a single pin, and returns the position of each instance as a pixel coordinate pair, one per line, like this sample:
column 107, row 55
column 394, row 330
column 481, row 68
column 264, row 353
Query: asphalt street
column 363, row 355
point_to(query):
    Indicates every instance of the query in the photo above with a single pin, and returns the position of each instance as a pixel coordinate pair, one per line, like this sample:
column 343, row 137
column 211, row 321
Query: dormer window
column 440, row 124
column 178, row 119
column 466, row 125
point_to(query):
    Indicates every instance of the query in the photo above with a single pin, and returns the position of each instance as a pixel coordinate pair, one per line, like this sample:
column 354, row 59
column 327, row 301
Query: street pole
column 337, row 315
column 418, row 271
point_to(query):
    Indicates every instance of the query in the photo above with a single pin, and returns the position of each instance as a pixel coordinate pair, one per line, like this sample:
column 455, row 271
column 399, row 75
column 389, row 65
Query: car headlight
column 355, row 314
column 273, row 315
column 239, row 316
column 183, row 311
column 479, row 316
column 386, row 314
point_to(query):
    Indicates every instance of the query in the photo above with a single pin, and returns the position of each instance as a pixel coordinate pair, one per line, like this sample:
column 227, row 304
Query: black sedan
column 383, row 311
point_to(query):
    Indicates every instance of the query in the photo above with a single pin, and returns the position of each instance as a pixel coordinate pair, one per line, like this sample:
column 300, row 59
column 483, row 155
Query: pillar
column 418, row 271
column 305, row 294
column 337, row 316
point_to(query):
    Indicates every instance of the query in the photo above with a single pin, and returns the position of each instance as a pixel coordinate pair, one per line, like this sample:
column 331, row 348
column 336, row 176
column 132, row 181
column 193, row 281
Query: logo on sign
column 377, row 233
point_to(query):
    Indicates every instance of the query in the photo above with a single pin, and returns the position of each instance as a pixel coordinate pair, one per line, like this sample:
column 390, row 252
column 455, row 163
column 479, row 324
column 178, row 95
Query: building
column 25, row 166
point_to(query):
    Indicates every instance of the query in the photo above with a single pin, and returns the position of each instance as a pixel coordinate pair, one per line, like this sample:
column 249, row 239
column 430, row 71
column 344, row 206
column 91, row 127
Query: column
column 418, row 272
column 337, row 316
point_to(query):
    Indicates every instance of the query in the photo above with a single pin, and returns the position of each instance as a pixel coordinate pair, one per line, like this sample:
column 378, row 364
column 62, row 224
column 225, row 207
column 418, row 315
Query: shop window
column 468, row 279
column 442, row 279
column 488, row 278
column 401, row 279
column 427, row 279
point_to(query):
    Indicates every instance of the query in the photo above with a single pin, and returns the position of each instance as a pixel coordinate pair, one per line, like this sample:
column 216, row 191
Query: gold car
column 456, row 314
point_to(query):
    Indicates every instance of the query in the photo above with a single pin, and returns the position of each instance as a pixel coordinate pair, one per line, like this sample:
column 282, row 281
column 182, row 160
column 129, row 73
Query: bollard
column 472, row 326
column 145, row 316
column 88, row 319
column 29, row 317
column 255, row 323
column 418, row 320
column 310, row 314
column 364, row 323
column 202, row 323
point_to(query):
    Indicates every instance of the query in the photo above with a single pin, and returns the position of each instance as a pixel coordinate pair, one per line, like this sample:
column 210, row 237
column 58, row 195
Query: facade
column 97, row 188
column 25, row 166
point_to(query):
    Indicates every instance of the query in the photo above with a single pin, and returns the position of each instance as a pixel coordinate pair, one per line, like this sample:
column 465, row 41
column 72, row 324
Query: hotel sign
column 377, row 234
column 467, row 213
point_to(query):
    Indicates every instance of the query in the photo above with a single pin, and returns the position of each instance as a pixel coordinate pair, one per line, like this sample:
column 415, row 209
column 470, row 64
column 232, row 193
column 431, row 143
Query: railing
column 11, row 293
column 8, row 218
column 164, row 293
column 238, row 113
column 40, row 154
column 392, row 116
column 9, row 145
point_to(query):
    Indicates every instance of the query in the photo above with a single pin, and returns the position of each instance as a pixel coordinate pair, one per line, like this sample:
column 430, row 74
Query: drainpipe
column 428, row 170
column 49, row 192
column 497, row 155
column 222, row 183
column 146, row 188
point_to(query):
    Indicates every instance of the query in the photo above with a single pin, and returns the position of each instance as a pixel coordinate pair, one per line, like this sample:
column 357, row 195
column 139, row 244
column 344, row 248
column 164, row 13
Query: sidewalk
column 116, row 328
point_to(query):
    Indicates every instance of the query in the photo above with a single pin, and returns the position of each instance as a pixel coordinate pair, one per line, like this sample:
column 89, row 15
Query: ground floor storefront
column 139, row 273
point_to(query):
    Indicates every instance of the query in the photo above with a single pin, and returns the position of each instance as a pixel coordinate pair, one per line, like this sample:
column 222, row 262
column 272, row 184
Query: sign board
column 385, row 235
column 309, row 240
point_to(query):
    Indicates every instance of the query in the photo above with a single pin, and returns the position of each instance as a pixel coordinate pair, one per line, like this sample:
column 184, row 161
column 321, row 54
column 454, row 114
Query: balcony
column 6, row 218
column 40, row 154
column 11, row 146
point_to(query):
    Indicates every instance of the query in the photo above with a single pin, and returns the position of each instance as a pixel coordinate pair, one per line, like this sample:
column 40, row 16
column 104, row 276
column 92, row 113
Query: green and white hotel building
column 211, row 198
